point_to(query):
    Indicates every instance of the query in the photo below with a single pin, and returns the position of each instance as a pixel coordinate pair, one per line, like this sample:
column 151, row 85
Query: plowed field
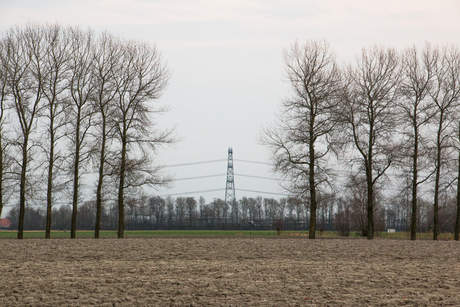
column 283, row 271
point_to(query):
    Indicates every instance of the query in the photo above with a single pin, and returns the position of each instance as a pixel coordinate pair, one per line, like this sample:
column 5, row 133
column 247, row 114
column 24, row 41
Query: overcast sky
column 226, row 61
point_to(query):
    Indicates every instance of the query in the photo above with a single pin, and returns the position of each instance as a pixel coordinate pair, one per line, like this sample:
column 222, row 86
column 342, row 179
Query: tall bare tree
column 26, row 77
column 457, row 219
column 143, row 79
column 369, row 110
column 5, row 92
column 81, row 87
column 300, row 139
column 445, row 94
column 107, row 56
column 417, row 111
column 56, row 96
column 453, row 84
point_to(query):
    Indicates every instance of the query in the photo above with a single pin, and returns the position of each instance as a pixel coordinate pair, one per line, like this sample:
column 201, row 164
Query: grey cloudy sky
column 226, row 59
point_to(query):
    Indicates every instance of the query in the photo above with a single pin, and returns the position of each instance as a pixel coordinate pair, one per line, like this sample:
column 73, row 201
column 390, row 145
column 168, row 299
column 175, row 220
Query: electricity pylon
column 230, row 186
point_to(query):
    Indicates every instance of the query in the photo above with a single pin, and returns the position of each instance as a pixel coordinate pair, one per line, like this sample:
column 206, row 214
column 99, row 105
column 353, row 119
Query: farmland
column 229, row 270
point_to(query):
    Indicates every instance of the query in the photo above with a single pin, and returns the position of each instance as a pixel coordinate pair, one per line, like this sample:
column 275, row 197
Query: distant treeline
column 156, row 213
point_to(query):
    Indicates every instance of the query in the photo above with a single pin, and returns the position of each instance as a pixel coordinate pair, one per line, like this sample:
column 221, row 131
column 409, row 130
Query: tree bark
column 370, row 182
column 1, row 171
column 370, row 201
column 73, row 227
column 413, row 221
column 457, row 220
column 50, row 182
column 100, row 179
column 121, row 209
column 437, row 179
column 22, row 189
column 313, row 202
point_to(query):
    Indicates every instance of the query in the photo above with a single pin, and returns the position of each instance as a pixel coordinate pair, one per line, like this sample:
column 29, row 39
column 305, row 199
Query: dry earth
column 229, row 272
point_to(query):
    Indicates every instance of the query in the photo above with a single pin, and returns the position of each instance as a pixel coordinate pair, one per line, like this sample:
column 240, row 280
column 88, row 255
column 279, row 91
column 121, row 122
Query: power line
column 249, row 161
column 213, row 161
column 196, row 192
column 259, row 177
column 219, row 175
column 194, row 163
column 199, row 177
column 215, row 190
column 262, row 192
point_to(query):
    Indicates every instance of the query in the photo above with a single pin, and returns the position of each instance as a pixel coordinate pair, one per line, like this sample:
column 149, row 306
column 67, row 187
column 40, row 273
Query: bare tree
column 26, row 77
column 298, row 208
column 417, row 111
column 445, row 94
column 157, row 206
column 180, row 211
column 5, row 92
column 107, row 63
column 202, row 207
column 271, row 207
column 457, row 219
column 343, row 218
column 143, row 79
column 245, row 210
column 170, row 212
column 55, row 94
column 300, row 140
column 235, row 214
column 282, row 207
column 278, row 225
column 369, row 110
column 81, row 86
column 356, row 200
column 190, row 203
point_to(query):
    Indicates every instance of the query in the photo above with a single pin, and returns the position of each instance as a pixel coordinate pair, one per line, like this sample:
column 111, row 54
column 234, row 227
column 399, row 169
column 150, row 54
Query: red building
column 5, row 223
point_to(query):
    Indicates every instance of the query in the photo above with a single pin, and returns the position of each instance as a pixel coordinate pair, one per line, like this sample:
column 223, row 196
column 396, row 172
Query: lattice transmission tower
column 230, row 186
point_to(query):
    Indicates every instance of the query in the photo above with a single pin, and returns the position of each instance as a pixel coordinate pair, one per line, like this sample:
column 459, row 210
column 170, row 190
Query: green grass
column 40, row 234
column 6, row 234
column 37, row 234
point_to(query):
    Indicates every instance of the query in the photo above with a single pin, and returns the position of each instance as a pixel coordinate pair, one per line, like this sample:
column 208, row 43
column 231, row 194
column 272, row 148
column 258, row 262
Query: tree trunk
column 370, row 187
column 22, row 189
column 436, row 204
column 313, row 203
column 413, row 221
column 1, row 173
column 100, row 180
column 437, row 180
column 121, row 210
column 457, row 221
column 370, row 206
column 50, row 182
column 73, row 227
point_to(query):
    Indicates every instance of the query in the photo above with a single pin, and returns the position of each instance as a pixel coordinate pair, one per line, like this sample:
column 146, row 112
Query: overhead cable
column 199, row 177
column 194, row 163
column 249, row 161
column 196, row 192
column 262, row 192
column 219, row 175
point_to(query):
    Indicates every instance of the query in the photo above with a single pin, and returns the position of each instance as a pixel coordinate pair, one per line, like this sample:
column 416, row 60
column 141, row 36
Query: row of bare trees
column 74, row 104
column 387, row 112
column 344, row 214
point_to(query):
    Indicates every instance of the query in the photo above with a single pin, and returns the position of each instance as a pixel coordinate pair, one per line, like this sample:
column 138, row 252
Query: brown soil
column 229, row 272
